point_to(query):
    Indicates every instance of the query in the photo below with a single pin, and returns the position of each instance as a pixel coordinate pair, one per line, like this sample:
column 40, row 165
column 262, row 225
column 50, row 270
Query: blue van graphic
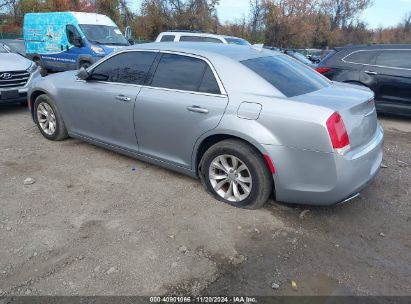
column 69, row 40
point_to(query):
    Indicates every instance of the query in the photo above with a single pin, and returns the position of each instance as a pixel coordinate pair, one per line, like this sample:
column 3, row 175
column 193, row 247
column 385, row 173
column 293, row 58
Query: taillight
column 323, row 70
column 338, row 132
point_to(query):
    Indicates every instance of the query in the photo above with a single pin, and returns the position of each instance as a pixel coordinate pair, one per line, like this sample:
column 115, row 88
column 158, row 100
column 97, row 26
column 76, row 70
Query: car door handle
column 123, row 98
column 371, row 72
column 197, row 109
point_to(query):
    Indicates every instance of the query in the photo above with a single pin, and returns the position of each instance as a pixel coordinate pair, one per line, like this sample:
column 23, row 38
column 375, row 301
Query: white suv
column 181, row 36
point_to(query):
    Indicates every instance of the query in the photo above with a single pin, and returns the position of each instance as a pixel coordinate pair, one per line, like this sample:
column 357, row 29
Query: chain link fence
column 10, row 35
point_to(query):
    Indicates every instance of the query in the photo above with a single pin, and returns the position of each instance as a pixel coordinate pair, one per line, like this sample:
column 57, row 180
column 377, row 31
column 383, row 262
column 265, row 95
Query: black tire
column 43, row 70
column 60, row 132
column 262, row 181
column 85, row 64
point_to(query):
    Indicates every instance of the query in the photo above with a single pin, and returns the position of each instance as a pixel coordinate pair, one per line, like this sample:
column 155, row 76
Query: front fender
column 41, row 86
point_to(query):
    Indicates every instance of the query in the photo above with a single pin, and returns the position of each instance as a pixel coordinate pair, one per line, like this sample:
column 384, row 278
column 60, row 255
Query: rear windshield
column 288, row 76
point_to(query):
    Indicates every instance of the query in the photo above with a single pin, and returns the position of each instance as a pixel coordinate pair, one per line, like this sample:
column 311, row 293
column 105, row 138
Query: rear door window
column 287, row 75
column 167, row 38
column 209, row 83
column 360, row 57
column 179, row 73
column 199, row 39
column 395, row 59
column 130, row 68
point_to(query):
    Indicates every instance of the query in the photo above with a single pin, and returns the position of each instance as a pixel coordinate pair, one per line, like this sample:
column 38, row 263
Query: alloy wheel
column 230, row 178
column 46, row 118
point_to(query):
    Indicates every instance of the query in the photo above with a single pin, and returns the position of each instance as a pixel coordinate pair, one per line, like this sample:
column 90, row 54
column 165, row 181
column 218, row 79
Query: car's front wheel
column 236, row 173
column 48, row 119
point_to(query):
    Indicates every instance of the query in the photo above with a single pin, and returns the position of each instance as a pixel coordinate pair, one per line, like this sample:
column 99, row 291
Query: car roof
column 209, row 50
column 374, row 46
column 199, row 34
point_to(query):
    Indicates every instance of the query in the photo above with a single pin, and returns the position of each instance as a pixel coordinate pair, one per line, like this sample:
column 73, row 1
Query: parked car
column 300, row 57
column 14, row 46
column 273, row 48
column 385, row 69
column 16, row 75
column 69, row 40
column 248, row 122
column 188, row 36
column 314, row 55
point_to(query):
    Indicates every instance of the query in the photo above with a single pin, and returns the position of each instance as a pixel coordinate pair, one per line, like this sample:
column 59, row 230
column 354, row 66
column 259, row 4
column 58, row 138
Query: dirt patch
column 98, row 223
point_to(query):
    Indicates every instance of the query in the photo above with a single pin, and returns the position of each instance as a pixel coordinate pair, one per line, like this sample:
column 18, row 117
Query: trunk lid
column 355, row 105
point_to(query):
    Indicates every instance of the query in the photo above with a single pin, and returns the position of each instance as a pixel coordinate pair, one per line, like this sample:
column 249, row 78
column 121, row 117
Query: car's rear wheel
column 48, row 119
column 236, row 173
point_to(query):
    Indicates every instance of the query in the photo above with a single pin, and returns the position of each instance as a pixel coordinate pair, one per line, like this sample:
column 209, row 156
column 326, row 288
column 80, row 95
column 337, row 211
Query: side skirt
column 137, row 155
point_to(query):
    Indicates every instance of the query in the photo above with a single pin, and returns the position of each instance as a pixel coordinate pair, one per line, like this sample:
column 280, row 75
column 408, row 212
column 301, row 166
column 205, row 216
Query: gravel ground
column 97, row 223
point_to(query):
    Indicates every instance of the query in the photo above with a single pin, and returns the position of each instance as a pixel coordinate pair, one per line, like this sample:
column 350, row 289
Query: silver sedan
column 250, row 123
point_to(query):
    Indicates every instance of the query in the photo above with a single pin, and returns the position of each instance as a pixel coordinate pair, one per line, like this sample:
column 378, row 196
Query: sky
column 383, row 13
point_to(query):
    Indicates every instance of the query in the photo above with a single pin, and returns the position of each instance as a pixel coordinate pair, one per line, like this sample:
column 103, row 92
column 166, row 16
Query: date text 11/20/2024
column 199, row 299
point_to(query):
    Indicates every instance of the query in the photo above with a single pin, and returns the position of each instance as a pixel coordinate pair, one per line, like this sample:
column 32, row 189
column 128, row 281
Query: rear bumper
column 318, row 178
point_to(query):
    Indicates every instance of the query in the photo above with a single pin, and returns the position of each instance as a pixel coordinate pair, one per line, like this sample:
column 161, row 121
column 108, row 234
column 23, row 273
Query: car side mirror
column 131, row 41
column 78, row 42
column 83, row 74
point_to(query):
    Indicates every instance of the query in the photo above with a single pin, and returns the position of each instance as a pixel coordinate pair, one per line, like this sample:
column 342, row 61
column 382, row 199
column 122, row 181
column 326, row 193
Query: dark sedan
column 385, row 69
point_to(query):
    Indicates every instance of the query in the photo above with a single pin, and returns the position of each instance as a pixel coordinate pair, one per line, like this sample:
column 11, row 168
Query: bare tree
column 406, row 23
column 344, row 12
column 256, row 17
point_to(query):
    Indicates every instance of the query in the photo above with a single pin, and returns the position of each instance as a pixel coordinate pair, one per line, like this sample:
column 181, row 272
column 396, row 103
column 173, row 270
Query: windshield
column 300, row 57
column 287, row 75
column 237, row 41
column 17, row 46
column 103, row 34
column 2, row 49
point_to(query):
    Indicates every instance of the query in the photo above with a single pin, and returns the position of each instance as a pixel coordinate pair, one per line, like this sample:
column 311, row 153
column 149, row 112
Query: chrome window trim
column 375, row 65
column 187, row 92
column 223, row 92
column 155, row 88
